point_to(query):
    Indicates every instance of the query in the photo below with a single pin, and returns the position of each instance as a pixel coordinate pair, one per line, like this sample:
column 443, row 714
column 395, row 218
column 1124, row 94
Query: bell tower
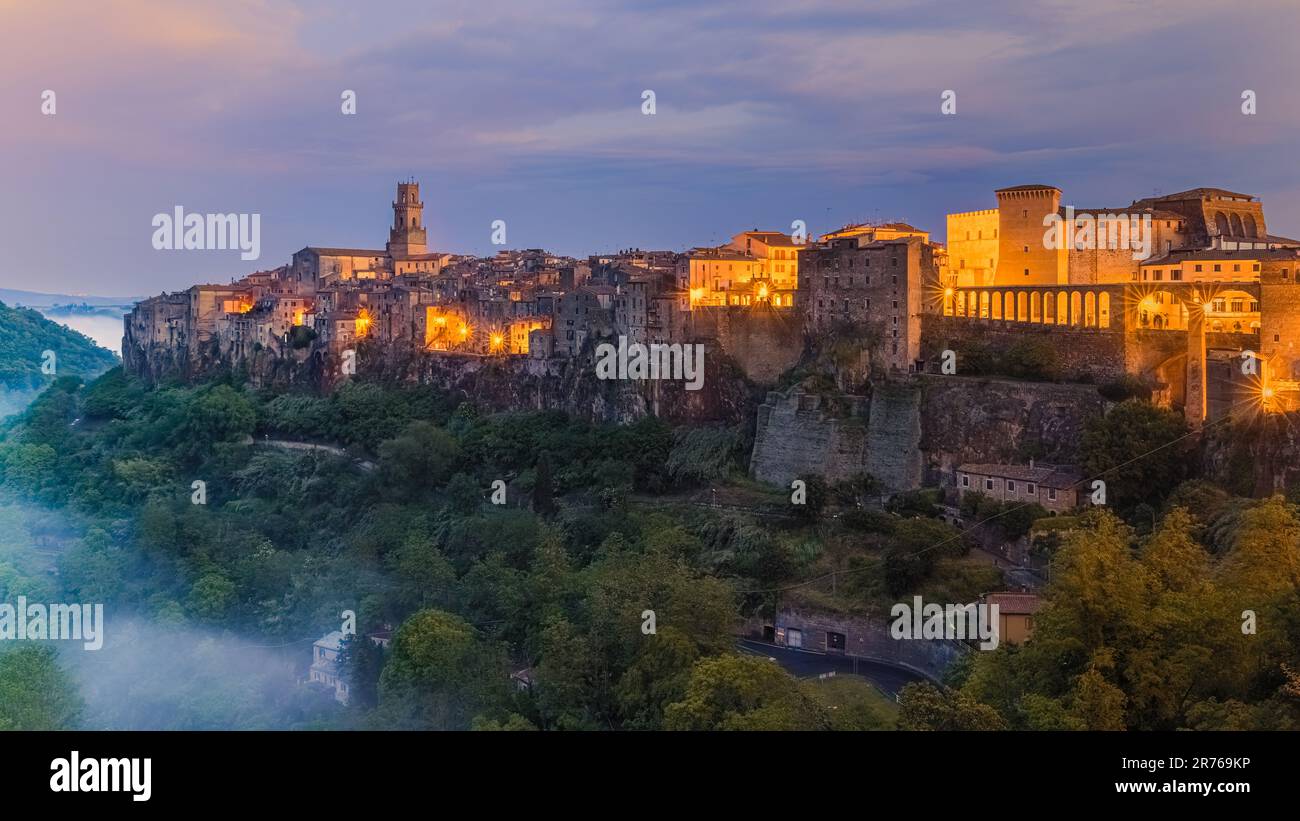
column 407, row 236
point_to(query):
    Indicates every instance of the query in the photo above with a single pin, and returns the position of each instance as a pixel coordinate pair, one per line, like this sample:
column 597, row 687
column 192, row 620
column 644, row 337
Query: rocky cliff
column 913, row 431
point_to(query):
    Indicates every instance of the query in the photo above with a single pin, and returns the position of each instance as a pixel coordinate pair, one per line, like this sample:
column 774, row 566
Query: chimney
column 1031, row 464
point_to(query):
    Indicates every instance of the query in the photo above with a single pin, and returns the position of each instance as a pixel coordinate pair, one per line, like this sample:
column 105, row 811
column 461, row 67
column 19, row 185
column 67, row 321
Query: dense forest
column 394, row 518
column 25, row 339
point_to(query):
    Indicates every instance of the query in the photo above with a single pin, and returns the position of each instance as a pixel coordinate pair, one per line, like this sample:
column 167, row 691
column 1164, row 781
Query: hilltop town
column 1187, row 296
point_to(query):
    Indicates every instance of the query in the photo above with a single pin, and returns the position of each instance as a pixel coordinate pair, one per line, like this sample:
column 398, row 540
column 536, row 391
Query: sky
column 825, row 111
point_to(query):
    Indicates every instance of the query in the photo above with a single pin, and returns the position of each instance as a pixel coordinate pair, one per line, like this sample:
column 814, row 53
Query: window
column 1030, row 489
column 988, row 484
column 1026, row 272
column 1218, row 268
column 1011, row 486
column 1051, row 493
column 965, row 480
column 1026, row 249
column 1024, row 212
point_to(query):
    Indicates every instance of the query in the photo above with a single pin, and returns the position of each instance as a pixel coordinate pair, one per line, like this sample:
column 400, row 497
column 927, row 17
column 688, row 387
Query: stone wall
column 799, row 433
column 1097, row 354
column 894, row 434
column 869, row 639
column 915, row 431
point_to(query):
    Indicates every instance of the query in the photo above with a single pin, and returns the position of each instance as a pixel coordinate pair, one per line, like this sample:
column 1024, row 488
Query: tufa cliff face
column 499, row 383
column 968, row 419
column 917, row 430
column 567, row 384
column 1253, row 455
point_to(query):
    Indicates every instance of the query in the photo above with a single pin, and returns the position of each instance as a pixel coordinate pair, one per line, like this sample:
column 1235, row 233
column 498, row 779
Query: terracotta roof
column 1156, row 213
column 1174, row 257
column 771, row 237
column 1201, row 193
column 345, row 252
column 1015, row 604
column 1055, row 476
column 1028, row 188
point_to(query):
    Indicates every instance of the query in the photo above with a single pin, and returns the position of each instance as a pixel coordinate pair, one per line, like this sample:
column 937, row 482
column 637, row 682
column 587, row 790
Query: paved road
column 287, row 444
column 805, row 663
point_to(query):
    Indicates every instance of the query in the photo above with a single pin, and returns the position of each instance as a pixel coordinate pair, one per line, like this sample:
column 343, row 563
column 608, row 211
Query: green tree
column 440, row 674
column 543, row 487
column 732, row 692
column 923, row 706
column 422, row 457
column 1138, row 449
column 35, row 693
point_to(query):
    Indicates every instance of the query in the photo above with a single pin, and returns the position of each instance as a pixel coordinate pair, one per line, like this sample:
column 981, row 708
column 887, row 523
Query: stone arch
column 1062, row 308
column 1252, row 227
column 1220, row 224
column 1103, row 309
column 996, row 307
column 1076, row 308
column 1036, row 307
column 1022, row 307
column 984, row 305
column 1090, row 310
column 1238, row 230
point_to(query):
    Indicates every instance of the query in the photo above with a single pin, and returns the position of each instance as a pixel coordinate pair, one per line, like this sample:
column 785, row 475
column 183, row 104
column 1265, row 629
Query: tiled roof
column 331, row 641
column 1015, row 604
column 1174, row 257
column 772, row 238
column 1200, row 193
column 1056, row 476
column 346, row 252
column 1156, row 213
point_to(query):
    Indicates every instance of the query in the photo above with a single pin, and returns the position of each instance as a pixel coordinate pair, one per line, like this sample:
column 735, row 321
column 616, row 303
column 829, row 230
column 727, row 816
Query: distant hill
column 25, row 335
column 36, row 299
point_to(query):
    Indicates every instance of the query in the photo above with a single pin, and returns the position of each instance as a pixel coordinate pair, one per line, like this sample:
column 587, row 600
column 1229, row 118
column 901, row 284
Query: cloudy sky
column 530, row 111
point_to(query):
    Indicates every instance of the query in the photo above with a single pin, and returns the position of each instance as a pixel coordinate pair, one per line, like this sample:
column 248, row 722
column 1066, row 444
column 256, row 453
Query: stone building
column 1055, row 487
column 882, row 284
column 756, row 266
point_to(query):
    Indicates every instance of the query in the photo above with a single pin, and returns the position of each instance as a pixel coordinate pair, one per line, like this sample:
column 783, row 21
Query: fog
column 106, row 331
column 150, row 676
column 158, row 675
